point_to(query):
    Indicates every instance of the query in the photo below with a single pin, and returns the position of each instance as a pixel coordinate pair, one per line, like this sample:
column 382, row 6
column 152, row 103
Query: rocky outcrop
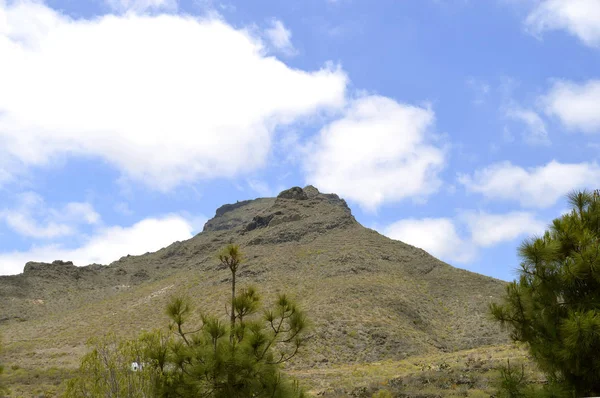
column 295, row 193
column 261, row 221
column 229, row 207
column 57, row 268
column 317, row 210
column 237, row 215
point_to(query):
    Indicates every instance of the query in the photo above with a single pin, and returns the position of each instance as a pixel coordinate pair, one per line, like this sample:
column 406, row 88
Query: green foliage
column 554, row 306
column 382, row 394
column 107, row 370
column 213, row 359
column 216, row 361
column 512, row 382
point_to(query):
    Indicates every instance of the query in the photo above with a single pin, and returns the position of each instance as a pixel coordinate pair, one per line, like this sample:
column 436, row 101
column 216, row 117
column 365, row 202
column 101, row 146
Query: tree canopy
column 554, row 306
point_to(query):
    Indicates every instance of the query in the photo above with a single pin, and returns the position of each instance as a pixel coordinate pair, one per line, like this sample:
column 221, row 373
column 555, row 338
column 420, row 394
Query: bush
column 217, row 359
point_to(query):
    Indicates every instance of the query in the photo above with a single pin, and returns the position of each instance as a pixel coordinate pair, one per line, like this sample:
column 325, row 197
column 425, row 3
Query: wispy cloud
column 280, row 38
column 141, row 5
column 536, row 132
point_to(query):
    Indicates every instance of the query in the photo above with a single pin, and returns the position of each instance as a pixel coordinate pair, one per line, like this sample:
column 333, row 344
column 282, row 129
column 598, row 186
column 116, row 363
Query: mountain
column 370, row 298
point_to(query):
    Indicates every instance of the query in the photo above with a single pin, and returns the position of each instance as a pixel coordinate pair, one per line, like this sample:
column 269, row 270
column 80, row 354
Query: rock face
column 261, row 221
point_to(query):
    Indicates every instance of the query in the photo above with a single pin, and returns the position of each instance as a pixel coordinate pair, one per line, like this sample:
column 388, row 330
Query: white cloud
column 32, row 218
column 377, row 152
column 23, row 224
column 165, row 99
column 576, row 105
column 536, row 128
column 141, row 5
column 280, row 37
column 79, row 211
column 490, row 229
column 580, row 18
column 440, row 236
column 537, row 187
column 107, row 245
column 437, row 236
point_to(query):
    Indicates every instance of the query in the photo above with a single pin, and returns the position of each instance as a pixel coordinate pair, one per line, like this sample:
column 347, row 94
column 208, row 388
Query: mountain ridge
column 370, row 298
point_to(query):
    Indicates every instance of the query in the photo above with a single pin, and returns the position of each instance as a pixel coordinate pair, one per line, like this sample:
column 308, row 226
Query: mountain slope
column 369, row 297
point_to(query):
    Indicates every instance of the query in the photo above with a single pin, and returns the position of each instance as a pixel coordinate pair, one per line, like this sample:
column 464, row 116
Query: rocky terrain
column 369, row 298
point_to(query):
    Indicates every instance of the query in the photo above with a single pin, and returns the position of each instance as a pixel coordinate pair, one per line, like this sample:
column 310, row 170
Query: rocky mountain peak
column 307, row 208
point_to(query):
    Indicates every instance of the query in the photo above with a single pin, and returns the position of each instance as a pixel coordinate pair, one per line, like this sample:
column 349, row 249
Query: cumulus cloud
column 377, row 152
column 580, row 18
column 107, row 245
column 165, row 99
column 539, row 187
column 32, row 218
column 441, row 238
column 141, row 5
column 280, row 37
column 536, row 133
column 490, row 229
column 437, row 236
column 576, row 105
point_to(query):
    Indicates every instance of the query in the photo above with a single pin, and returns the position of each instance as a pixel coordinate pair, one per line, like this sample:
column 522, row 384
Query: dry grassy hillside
column 370, row 298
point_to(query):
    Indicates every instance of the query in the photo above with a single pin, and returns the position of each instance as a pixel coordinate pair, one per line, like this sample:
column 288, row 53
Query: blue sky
column 457, row 126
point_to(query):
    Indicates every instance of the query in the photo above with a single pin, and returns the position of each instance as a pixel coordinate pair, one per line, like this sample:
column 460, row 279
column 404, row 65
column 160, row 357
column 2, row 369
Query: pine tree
column 239, row 358
column 554, row 306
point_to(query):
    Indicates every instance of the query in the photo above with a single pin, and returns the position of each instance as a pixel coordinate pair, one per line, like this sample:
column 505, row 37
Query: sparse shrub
column 383, row 394
column 513, row 381
column 107, row 370
column 444, row 366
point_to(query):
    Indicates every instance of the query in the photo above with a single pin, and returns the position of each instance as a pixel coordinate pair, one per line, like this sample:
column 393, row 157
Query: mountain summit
column 295, row 214
column 370, row 298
